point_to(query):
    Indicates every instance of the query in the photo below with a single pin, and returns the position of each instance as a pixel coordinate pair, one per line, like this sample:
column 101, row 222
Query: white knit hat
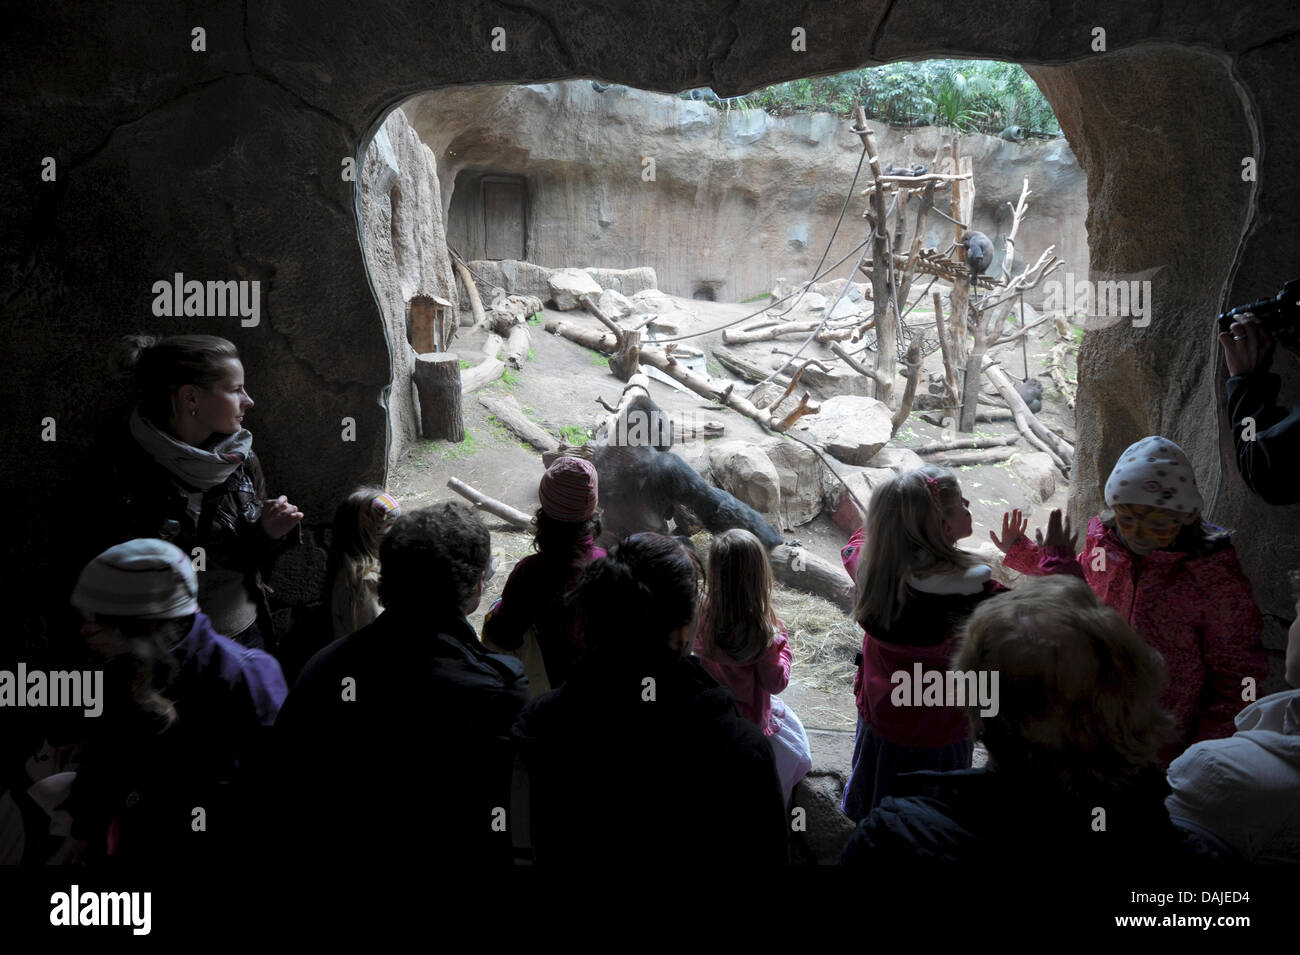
column 145, row 578
column 1154, row 472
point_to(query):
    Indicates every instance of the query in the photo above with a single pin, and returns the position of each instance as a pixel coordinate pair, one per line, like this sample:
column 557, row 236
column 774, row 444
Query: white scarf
column 195, row 466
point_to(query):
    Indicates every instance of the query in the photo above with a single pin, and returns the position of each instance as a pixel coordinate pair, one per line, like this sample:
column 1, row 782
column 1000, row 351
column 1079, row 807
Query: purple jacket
column 137, row 788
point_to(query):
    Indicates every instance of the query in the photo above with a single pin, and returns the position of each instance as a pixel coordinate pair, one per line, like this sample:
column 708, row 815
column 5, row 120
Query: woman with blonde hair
column 915, row 587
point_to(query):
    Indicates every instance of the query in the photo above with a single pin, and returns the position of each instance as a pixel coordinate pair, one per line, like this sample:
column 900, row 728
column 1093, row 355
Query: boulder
column 1038, row 472
column 814, row 302
column 652, row 300
column 851, row 428
column 625, row 281
column 614, row 304
column 569, row 285
column 862, row 481
column 899, row 460
column 845, row 308
column 748, row 474
column 800, row 473
column 988, row 552
column 513, row 275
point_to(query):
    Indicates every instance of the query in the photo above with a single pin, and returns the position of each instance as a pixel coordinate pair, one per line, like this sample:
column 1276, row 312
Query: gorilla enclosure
column 230, row 162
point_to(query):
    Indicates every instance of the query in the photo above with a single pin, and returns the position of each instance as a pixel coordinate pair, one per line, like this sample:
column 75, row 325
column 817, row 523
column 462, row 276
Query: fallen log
column 735, row 336
column 799, row 568
column 484, row 503
column 909, row 389
column 1035, row 432
column 485, row 372
column 638, row 384
column 962, row 458
column 655, row 358
column 975, row 444
column 471, row 290
column 518, row 345
column 507, row 411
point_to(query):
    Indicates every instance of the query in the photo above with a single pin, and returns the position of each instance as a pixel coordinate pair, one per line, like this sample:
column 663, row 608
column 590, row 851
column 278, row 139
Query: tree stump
column 437, row 380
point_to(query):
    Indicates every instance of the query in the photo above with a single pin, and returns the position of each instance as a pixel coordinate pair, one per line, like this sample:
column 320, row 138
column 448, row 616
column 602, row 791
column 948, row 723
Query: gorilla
column 1032, row 393
column 979, row 253
column 643, row 485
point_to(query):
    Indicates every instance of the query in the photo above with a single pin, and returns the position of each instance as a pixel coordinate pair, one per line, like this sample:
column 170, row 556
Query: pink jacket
column 925, row 634
column 753, row 683
column 1197, row 611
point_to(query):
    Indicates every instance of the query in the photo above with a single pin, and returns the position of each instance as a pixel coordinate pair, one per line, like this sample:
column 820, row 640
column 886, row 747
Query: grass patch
column 575, row 435
column 422, row 455
column 596, row 358
column 465, row 364
column 531, row 356
column 756, row 298
column 509, row 378
column 535, row 318
column 714, row 368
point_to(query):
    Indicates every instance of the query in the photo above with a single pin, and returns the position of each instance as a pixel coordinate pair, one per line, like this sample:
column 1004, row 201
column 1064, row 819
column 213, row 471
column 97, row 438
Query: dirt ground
column 558, row 388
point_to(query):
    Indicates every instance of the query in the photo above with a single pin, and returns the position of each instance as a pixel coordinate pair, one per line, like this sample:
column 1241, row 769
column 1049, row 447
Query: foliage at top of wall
column 968, row 95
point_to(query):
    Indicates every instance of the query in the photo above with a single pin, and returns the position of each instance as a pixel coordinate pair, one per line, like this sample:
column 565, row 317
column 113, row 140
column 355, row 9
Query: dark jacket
column 138, row 784
column 144, row 499
column 616, row 778
column 393, row 746
column 1268, row 464
column 995, row 820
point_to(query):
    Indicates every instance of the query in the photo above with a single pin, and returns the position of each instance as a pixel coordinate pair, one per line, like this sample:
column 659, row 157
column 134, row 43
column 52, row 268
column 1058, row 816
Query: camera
column 1279, row 315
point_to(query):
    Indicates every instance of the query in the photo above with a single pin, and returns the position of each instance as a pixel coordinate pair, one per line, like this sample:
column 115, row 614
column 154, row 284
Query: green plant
column 575, row 435
column 465, row 364
column 509, row 378
column 535, row 318
column 596, row 358
column 531, row 356
column 756, row 298
column 451, row 451
column 712, row 366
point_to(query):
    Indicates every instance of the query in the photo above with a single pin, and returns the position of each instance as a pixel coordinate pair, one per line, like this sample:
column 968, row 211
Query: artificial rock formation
column 737, row 199
column 406, row 250
column 232, row 163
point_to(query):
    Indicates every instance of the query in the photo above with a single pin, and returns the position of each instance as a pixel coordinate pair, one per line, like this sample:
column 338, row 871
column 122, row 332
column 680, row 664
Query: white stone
column 614, row 304
column 569, row 285
column 851, row 428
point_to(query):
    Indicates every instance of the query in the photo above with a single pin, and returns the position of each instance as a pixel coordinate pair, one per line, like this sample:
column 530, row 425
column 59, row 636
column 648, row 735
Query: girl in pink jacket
column 915, row 589
column 1176, row 580
column 745, row 648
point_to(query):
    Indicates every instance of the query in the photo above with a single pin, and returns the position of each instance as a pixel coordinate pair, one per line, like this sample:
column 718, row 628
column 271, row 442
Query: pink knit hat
column 569, row 489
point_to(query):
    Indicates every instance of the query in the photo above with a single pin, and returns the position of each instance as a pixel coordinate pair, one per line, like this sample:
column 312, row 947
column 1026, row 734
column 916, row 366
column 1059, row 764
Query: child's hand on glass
column 1058, row 534
column 1014, row 525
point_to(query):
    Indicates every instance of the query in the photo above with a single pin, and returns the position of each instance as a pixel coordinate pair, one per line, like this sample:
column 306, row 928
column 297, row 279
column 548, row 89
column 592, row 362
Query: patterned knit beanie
column 1154, row 472
column 568, row 490
column 145, row 578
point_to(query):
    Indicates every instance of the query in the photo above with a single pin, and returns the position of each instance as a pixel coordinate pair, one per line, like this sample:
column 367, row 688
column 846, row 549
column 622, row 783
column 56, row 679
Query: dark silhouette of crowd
column 1113, row 690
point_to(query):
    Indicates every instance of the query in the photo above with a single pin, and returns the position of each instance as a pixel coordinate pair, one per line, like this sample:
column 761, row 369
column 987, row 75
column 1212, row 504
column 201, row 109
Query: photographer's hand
column 1247, row 347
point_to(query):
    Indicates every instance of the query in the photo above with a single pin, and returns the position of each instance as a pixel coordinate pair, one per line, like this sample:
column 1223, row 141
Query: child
column 1175, row 579
column 359, row 525
column 744, row 647
column 532, row 603
column 915, row 588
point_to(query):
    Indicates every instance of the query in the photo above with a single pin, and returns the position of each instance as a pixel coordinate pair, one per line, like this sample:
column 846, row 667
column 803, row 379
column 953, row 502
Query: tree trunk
column 437, row 380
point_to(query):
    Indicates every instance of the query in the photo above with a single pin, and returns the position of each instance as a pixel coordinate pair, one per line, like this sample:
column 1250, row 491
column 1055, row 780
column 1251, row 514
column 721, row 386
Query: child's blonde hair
column 737, row 620
column 359, row 526
column 1079, row 690
column 904, row 535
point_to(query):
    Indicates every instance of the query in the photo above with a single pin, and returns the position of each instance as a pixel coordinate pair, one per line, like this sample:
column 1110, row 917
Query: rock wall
column 226, row 163
column 738, row 198
column 405, row 247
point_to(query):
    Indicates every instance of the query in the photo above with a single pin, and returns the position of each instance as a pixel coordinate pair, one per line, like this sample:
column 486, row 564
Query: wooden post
column 437, row 380
column 881, row 300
